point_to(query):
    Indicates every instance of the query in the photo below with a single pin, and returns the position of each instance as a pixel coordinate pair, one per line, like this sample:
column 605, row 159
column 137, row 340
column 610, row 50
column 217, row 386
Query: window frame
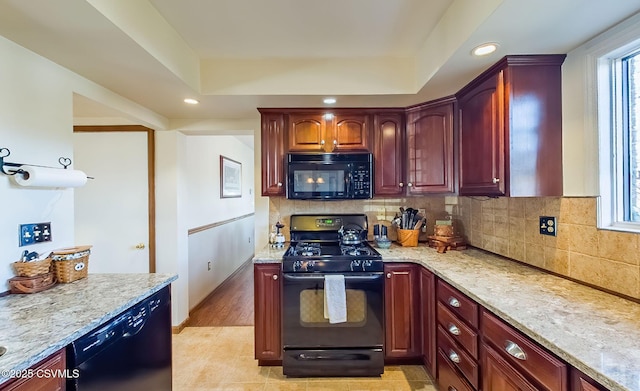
column 606, row 98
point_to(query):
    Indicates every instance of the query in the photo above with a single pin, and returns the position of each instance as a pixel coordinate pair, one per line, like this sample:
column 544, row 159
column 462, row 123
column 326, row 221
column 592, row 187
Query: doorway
column 115, row 212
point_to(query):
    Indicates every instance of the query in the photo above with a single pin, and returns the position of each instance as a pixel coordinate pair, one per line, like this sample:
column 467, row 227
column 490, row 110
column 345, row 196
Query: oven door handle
column 333, row 357
column 347, row 277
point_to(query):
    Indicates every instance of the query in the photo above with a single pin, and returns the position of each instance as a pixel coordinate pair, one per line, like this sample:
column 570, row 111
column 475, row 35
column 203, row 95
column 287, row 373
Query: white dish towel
column 335, row 298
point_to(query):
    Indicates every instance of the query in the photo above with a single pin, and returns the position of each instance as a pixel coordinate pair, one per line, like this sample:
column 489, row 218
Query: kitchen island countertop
column 34, row 326
column 596, row 332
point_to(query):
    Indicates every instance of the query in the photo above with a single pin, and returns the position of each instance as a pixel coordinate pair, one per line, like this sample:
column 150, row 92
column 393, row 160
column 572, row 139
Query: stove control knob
column 310, row 266
column 355, row 264
column 366, row 264
column 297, row 265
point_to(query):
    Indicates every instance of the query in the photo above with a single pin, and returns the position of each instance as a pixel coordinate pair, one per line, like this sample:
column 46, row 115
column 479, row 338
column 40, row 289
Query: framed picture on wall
column 230, row 178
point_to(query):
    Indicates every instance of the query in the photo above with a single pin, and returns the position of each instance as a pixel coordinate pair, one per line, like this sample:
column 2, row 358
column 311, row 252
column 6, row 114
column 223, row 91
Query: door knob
column 140, row 246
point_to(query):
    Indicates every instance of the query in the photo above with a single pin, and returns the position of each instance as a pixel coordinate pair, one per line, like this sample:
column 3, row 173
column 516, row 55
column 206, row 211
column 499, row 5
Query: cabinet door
column 428, row 301
column 55, row 362
column 582, row 382
column 402, row 327
column 348, row 132
column 430, row 150
column 482, row 154
column 268, row 307
column 307, row 132
column 388, row 147
column 497, row 374
column 273, row 154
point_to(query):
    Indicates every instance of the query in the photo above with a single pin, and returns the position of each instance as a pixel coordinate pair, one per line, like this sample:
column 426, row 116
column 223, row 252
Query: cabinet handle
column 452, row 388
column 401, row 184
column 453, row 356
column 496, row 180
column 453, row 302
column 279, row 184
column 335, row 142
column 321, row 142
column 388, row 275
column 513, row 349
column 453, row 329
column 275, row 276
column 409, row 184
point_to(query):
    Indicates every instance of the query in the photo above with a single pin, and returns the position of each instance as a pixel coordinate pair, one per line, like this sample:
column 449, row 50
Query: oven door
column 304, row 324
column 318, row 181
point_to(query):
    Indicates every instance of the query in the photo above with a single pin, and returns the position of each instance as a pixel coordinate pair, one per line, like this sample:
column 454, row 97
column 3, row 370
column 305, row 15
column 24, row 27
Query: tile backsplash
column 509, row 227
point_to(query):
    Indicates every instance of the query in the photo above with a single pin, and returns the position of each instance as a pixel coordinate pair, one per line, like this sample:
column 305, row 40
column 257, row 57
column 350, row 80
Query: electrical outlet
column 34, row 233
column 548, row 225
column 381, row 214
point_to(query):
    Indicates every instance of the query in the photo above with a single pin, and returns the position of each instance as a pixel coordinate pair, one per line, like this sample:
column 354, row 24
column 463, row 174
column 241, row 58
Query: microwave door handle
column 349, row 182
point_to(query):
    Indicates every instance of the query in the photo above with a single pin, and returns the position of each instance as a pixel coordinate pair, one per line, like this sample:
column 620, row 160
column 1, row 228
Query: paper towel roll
column 33, row 176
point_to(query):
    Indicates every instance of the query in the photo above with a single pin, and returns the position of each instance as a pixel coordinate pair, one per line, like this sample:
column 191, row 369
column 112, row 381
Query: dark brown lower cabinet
column 428, row 307
column 448, row 377
column 55, row 362
column 402, row 311
column 581, row 382
column 497, row 374
column 268, row 312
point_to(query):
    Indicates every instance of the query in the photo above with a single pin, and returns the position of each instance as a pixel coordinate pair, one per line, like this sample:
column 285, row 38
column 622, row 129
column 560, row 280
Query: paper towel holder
column 5, row 152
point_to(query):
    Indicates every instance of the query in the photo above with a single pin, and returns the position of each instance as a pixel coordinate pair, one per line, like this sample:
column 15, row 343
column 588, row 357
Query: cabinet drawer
column 524, row 354
column 459, row 304
column 448, row 378
column 458, row 330
column 458, row 357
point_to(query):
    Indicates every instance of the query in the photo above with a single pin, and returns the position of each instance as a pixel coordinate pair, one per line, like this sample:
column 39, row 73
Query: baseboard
column 178, row 329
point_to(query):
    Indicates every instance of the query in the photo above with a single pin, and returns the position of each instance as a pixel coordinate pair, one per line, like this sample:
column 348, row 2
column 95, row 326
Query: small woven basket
column 443, row 230
column 408, row 237
column 71, row 264
column 32, row 268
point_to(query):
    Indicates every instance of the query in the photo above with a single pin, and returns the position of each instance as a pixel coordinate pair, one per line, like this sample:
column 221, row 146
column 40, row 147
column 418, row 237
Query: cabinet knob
column 409, row 184
column 453, row 356
column 401, row 184
column 496, row 180
column 513, row 349
column 321, row 142
column 453, row 329
column 388, row 275
column 335, row 142
column 275, row 277
column 279, row 184
column 453, row 302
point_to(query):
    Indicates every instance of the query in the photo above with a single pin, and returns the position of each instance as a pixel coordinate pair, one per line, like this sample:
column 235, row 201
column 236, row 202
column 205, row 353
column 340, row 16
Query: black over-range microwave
column 329, row 176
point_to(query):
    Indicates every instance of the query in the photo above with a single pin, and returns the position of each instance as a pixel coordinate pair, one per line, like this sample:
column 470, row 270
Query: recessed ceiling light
column 484, row 49
column 191, row 101
column 329, row 101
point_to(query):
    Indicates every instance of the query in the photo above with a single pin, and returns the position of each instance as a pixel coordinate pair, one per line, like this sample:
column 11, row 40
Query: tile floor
column 221, row 358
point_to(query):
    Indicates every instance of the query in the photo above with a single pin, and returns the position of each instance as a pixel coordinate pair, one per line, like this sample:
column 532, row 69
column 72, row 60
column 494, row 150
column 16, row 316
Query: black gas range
column 328, row 247
column 330, row 244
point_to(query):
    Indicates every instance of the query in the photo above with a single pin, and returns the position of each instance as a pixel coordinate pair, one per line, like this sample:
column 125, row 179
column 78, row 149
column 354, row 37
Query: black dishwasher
column 130, row 352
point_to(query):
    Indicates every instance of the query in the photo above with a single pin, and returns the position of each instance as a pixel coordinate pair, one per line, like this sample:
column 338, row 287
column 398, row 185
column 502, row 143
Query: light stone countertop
column 596, row 332
column 34, row 326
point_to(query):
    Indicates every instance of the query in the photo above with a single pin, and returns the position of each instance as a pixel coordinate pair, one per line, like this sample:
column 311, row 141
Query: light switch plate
column 548, row 225
column 34, row 233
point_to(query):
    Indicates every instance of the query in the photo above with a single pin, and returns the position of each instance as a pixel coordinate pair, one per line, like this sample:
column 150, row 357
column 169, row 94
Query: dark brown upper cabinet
column 510, row 138
column 430, row 152
column 388, row 153
column 324, row 131
column 273, row 150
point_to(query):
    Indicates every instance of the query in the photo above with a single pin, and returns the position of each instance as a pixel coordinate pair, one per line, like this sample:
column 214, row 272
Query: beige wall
column 509, row 227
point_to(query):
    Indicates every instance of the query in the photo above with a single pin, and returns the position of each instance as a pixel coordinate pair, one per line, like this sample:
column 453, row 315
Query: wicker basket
column 408, row 237
column 71, row 264
column 443, row 230
column 32, row 268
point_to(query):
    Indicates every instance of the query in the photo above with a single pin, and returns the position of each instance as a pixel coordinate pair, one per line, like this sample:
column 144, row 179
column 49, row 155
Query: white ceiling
column 236, row 55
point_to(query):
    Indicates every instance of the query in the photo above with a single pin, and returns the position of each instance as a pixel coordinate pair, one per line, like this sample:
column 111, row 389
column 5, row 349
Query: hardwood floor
column 230, row 304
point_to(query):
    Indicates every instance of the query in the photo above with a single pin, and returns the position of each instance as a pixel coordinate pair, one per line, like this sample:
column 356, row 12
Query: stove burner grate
column 306, row 249
column 355, row 250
